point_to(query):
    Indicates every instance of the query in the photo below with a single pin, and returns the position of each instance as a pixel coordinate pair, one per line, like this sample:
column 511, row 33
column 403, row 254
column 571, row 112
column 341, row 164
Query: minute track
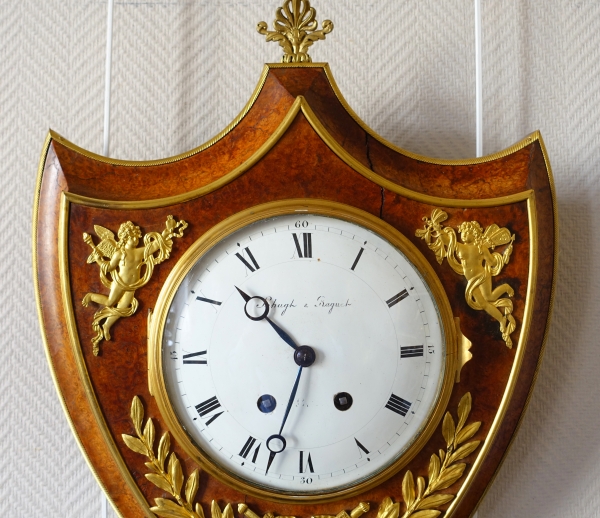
column 304, row 300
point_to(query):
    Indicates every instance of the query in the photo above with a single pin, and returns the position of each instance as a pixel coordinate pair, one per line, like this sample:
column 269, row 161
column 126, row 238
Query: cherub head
column 129, row 234
column 470, row 232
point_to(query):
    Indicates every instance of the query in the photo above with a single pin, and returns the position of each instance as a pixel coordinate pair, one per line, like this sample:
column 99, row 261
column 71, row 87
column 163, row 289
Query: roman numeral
column 248, row 265
column 247, row 447
column 357, row 258
column 255, row 454
column 361, row 447
column 206, row 407
column 307, row 241
column 308, row 465
column 213, row 418
column 194, row 362
column 411, row 351
column 210, row 301
column 397, row 298
column 398, row 405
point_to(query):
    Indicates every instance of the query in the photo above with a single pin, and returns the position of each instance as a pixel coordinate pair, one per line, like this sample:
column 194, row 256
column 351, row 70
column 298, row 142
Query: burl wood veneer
column 326, row 153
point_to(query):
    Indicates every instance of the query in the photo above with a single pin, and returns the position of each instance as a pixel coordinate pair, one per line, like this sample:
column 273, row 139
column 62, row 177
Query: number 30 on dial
column 302, row 348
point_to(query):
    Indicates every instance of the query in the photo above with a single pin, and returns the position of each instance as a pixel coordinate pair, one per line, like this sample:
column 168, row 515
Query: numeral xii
column 306, row 250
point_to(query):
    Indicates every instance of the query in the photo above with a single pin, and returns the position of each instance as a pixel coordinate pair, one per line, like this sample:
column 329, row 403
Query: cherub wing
column 104, row 233
column 495, row 235
column 107, row 245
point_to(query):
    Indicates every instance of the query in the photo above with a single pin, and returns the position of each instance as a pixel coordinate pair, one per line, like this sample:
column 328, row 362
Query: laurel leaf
column 430, row 513
column 160, row 481
column 228, row 511
column 167, row 513
column 464, row 409
column 149, row 433
column 150, row 466
column 435, row 501
column 169, row 504
column 215, row 510
column 170, row 464
column 135, row 444
column 175, row 473
column 420, row 487
column 468, row 432
column 163, row 448
column 137, row 414
column 191, row 487
column 388, row 509
column 199, row 511
column 442, row 455
column 168, row 509
column 385, row 503
column 408, row 488
column 451, row 475
column 434, row 468
column 448, row 429
column 393, row 511
column 463, row 451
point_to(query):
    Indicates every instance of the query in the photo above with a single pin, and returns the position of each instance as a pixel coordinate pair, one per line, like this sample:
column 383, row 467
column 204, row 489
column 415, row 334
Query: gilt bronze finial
column 295, row 30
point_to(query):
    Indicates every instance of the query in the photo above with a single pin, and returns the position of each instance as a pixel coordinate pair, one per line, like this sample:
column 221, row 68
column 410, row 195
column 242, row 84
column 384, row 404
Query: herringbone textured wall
column 183, row 69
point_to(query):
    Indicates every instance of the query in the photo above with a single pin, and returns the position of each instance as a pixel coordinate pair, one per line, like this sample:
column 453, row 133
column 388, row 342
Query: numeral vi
column 308, row 465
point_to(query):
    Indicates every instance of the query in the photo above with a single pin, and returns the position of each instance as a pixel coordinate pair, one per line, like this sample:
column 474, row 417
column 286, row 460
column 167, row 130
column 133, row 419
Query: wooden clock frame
column 296, row 138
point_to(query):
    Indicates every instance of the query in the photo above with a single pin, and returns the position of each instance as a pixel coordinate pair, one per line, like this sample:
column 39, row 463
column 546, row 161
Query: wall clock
column 297, row 318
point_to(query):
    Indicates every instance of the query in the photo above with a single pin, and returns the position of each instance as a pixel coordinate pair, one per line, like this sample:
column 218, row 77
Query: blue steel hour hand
column 284, row 336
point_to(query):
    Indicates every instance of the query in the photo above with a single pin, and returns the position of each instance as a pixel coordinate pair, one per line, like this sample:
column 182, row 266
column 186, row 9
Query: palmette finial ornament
column 295, row 30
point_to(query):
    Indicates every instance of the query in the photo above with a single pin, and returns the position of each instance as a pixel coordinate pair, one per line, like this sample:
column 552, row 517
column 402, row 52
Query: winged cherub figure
column 124, row 268
column 473, row 259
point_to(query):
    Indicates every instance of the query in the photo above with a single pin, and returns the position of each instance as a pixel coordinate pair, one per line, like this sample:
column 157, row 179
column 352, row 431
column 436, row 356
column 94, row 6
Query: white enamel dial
column 249, row 394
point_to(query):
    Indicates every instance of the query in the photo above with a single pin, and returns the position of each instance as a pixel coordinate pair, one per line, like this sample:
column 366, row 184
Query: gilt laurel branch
column 170, row 478
column 423, row 499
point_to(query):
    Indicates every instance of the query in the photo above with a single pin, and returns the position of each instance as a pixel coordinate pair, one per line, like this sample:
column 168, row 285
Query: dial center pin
column 305, row 356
